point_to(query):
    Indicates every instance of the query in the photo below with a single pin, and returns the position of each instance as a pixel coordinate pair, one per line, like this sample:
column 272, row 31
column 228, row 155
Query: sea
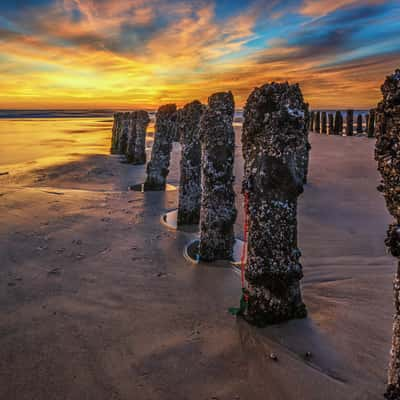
column 35, row 137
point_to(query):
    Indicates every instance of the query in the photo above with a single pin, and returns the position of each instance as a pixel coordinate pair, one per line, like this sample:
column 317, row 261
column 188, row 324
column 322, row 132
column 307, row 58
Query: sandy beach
column 97, row 301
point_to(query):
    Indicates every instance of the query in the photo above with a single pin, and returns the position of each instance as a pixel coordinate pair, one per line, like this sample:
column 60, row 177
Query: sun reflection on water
column 37, row 143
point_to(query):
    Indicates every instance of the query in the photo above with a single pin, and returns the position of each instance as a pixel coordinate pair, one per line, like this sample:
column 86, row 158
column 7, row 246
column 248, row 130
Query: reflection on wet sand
column 27, row 145
column 23, row 140
column 86, row 263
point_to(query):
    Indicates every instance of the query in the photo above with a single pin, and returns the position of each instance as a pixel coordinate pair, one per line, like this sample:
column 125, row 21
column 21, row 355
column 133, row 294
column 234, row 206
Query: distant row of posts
column 330, row 123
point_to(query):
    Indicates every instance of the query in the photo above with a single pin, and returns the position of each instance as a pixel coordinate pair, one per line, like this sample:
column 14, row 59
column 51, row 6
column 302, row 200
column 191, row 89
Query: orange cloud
column 197, row 39
column 84, row 61
column 317, row 8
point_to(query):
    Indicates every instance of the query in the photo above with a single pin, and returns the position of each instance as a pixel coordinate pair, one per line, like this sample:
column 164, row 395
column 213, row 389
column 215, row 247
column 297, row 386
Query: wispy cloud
column 100, row 53
column 317, row 8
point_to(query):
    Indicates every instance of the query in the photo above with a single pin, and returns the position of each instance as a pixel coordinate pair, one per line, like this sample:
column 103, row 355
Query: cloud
column 337, row 36
column 197, row 39
column 317, row 8
column 101, row 53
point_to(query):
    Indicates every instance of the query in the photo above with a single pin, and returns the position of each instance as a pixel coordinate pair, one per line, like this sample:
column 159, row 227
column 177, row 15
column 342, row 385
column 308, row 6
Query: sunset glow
column 141, row 53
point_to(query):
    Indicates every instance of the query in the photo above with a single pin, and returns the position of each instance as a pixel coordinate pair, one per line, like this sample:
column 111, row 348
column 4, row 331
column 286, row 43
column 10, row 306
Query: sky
column 125, row 54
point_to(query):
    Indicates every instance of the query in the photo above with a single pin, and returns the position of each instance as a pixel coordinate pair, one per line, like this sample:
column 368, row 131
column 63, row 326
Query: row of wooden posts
column 275, row 149
column 333, row 123
column 206, row 193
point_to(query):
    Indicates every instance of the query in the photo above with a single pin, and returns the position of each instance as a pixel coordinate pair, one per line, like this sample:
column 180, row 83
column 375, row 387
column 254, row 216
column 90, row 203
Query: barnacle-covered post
column 218, row 212
column 340, row 124
column 359, row 124
column 371, row 123
column 336, row 125
column 366, row 123
column 312, row 121
column 117, row 125
column 387, row 154
column 142, row 121
column 349, row 122
column 158, row 167
column 323, row 122
column 131, row 142
column 330, row 124
column 123, row 133
column 317, row 122
column 177, row 131
column 190, row 179
column 274, row 138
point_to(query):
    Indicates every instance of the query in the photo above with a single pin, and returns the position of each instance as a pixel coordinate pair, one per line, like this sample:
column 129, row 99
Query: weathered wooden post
column 124, row 133
column 117, row 125
column 190, row 179
column 218, row 212
column 131, row 142
column 158, row 167
column 312, row 121
column 349, row 123
column 317, row 122
column 387, row 154
column 336, row 126
column 142, row 122
column 366, row 123
column 176, row 136
column 323, row 122
column 359, row 124
column 304, row 158
column 308, row 118
column 330, row 124
column 371, row 123
column 274, row 137
column 340, row 124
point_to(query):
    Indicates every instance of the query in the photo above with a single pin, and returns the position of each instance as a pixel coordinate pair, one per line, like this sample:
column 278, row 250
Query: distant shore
column 16, row 114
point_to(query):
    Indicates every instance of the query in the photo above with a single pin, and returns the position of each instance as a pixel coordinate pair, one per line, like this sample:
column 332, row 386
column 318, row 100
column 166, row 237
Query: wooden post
column 274, row 139
column 218, row 212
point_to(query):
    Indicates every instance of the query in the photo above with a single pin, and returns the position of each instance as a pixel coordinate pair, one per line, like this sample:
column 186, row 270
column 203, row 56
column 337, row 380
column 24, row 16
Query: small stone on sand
column 273, row 356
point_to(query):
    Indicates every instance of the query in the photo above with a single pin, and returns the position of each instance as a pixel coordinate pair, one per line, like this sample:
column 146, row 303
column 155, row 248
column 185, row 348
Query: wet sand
column 97, row 302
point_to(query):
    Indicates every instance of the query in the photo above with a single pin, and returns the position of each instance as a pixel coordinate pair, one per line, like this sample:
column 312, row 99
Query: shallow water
column 51, row 140
column 30, row 140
